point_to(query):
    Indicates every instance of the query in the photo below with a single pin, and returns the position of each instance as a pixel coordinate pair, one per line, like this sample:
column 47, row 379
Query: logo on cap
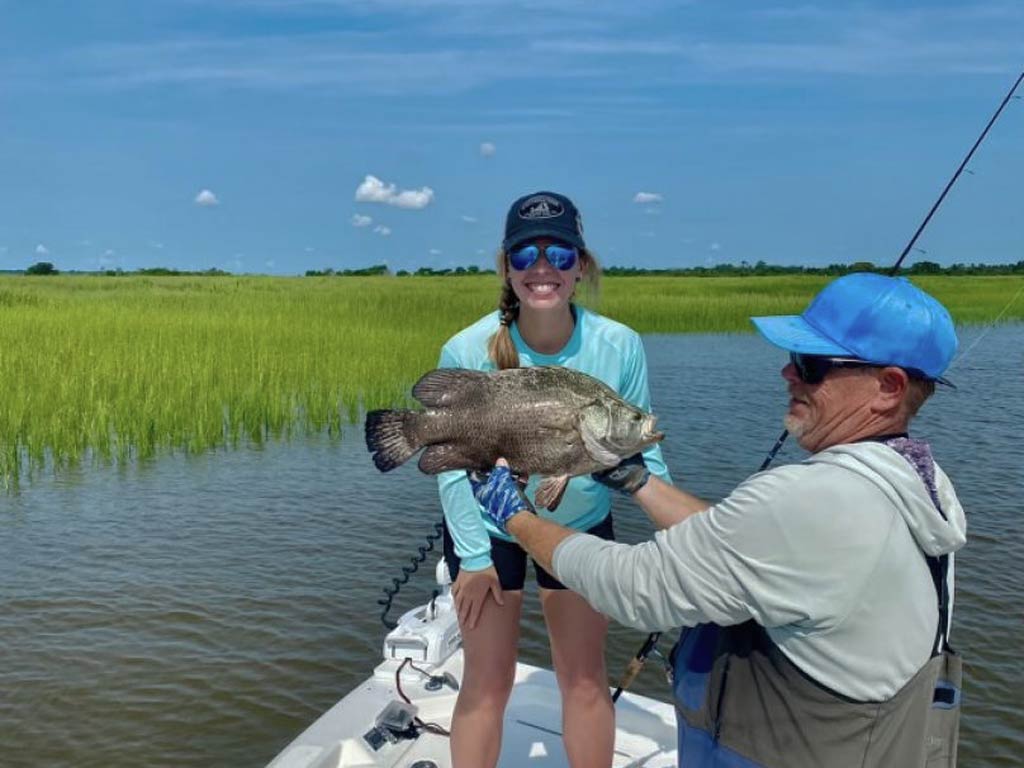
column 541, row 207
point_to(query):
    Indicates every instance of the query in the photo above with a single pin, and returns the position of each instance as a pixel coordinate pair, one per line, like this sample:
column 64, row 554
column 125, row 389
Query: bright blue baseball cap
column 870, row 317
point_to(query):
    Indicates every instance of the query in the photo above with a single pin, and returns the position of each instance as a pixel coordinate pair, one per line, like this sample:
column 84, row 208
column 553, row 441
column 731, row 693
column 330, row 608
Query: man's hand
column 500, row 494
column 628, row 476
column 471, row 590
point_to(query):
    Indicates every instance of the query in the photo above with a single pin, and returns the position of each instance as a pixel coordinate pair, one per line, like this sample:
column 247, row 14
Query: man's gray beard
column 794, row 425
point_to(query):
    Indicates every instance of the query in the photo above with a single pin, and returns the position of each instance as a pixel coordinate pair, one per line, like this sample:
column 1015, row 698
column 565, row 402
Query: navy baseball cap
column 543, row 214
column 870, row 317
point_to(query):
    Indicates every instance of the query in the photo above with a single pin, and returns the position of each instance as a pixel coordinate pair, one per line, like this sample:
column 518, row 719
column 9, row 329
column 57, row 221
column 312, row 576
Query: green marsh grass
column 122, row 368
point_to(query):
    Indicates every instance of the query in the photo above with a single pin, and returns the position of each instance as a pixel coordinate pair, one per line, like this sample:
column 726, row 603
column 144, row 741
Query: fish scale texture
column 534, row 417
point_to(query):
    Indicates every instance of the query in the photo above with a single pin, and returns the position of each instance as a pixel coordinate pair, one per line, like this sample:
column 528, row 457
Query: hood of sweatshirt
column 906, row 472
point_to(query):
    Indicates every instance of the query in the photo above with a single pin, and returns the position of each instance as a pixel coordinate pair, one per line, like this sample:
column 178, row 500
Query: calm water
column 201, row 611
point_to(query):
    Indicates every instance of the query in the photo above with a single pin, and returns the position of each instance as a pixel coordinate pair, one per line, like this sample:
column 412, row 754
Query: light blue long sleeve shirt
column 600, row 347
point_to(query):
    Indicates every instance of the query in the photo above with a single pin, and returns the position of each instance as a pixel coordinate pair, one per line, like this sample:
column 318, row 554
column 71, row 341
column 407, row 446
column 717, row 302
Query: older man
column 817, row 595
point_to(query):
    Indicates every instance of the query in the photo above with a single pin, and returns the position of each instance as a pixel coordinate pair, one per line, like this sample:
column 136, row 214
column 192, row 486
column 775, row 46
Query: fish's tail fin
column 391, row 437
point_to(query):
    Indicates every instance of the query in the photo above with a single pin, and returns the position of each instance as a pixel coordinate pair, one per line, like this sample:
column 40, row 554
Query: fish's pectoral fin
column 550, row 491
column 443, row 457
column 449, row 386
column 597, row 450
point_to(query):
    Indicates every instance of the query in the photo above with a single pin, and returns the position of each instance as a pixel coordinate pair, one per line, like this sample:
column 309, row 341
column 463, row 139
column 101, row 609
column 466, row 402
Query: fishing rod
column 896, row 267
column 649, row 646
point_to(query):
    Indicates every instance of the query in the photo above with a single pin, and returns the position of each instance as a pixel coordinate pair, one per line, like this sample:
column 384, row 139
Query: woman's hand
column 500, row 493
column 471, row 589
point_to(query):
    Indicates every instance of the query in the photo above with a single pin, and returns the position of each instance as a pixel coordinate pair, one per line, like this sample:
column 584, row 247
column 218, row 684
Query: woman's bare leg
column 577, row 635
column 490, row 651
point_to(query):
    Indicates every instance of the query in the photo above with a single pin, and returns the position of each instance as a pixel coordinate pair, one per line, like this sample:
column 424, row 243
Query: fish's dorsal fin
column 444, row 387
column 550, row 491
column 598, row 452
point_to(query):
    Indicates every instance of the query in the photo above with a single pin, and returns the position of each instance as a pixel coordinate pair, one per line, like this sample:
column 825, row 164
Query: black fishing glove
column 628, row 476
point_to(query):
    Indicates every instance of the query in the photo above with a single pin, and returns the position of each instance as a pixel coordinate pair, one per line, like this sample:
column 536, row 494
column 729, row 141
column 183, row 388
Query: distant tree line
column 718, row 270
column 376, row 269
column 761, row 268
column 742, row 269
column 382, row 269
column 47, row 268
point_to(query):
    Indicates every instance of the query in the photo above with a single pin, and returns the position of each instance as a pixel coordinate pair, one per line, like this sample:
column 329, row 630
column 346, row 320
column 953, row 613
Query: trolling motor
column 428, row 634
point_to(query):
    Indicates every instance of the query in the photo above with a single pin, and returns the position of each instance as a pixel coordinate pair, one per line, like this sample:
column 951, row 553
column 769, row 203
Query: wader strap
column 919, row 454
column 939, row 567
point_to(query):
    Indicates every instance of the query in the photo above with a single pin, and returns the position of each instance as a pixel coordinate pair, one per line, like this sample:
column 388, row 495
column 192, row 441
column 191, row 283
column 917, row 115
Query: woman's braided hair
column 501, row 349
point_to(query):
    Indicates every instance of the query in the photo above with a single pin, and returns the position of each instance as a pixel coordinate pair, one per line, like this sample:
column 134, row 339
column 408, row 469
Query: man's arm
column 666, row 504
column 538, row 537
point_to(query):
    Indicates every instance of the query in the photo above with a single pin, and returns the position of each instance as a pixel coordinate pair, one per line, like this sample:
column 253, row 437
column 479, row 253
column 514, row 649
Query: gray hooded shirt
column 826, row 555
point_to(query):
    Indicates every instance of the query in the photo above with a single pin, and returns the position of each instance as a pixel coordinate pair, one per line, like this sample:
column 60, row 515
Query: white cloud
column 468, row 219
column 381, row 230
column 413, row 198
column 373, row 190
column 269, row 263
column 309, row 249
column 42, row 250
column 358, row 220
column 207, row 198
column 435, row 251
column 647, row 197
column 155, row 244
column 715, row 246
column 487, row 149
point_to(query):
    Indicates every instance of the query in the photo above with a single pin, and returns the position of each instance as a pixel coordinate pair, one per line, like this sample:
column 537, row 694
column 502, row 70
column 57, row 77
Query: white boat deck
column 351, row 734
column 645, row 729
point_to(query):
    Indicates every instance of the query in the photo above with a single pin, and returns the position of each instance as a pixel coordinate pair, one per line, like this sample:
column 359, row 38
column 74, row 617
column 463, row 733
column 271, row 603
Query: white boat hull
column 373, row 725
column 645, row 729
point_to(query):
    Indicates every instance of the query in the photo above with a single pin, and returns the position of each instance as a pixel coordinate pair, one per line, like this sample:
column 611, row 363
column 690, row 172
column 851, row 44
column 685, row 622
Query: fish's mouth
column 650, row 434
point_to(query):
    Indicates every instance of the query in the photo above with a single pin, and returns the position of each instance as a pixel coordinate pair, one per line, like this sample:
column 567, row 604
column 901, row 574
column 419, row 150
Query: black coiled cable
column 407, row 571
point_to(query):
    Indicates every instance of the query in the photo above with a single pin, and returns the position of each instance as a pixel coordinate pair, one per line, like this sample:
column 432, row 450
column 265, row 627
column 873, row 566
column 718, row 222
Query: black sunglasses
column 812, row 369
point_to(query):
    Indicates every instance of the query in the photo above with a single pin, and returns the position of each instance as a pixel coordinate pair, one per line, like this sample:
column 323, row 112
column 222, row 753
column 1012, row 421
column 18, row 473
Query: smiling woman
column 542, row 259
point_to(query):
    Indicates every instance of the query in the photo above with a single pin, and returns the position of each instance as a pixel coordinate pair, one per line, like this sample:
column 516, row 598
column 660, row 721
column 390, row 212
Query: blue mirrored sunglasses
column 561, row 257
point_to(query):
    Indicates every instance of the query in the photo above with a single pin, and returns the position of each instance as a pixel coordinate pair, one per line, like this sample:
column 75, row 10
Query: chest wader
column 740, row 702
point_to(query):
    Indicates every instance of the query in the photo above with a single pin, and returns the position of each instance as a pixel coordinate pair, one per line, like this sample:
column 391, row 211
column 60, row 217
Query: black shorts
column 510, row 559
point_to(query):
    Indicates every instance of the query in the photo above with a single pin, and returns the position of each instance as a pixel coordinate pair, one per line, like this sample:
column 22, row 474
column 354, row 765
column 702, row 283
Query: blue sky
column 237, row 133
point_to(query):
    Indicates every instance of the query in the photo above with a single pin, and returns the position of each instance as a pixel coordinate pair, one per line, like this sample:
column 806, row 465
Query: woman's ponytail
column 500, row 348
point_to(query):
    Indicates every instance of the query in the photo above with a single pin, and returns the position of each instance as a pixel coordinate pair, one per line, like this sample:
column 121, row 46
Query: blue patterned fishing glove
column 500, row 494
column 628, row 476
